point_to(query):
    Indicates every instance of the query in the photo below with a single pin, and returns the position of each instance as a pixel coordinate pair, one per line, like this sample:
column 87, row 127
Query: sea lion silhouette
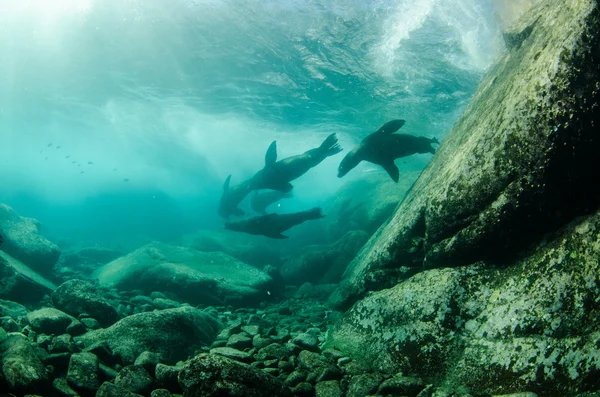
column 277, row 175
column 272, row 225
column 260, row 201
column 232, row 197
column 383, row 146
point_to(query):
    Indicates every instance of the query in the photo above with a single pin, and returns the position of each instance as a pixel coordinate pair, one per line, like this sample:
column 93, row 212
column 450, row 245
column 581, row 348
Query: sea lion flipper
column 226, row 184
column 284, row 187
column 390, row 127
column 277, row 236
column 271, row 155
column 392, row 170
column 238, row 212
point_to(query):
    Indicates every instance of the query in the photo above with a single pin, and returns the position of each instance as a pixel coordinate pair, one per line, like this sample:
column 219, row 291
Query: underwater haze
column 121, row 118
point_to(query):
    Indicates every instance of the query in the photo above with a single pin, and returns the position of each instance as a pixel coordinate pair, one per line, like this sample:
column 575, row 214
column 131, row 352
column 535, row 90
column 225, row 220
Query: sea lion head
column 350, row 161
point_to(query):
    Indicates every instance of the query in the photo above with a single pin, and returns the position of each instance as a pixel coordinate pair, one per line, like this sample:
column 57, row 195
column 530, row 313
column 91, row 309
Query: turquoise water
column 156, row 102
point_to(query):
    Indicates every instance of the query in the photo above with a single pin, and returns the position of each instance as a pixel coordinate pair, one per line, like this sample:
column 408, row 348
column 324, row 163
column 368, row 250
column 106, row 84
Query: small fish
column 73, row 162
column 58, row 147
column 67, row 157
column 82, row 172
column 45, row 158
column 126, row 179
column 115, row 169
column 50, row 144
column 90, row 163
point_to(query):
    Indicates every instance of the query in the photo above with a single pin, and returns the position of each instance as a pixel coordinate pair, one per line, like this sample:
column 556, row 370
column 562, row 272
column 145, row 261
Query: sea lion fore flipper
column 271, row 155
column 284, row 187
column 238, row 212
column 392, row 170
column 390, row 127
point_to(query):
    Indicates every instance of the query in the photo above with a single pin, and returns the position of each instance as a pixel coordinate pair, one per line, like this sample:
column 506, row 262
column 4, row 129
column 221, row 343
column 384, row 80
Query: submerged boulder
column 195, row 277
column 77, row 297
column 23, row 241
column 19, row 283
column 173, row 334
column 530, row 326
column 520, row 162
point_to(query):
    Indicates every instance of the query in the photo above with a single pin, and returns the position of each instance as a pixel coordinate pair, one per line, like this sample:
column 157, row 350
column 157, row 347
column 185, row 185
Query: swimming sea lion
column 383, row 146
column 276, row 175
column 271, row 225
column 260, row 201
column 232, row 197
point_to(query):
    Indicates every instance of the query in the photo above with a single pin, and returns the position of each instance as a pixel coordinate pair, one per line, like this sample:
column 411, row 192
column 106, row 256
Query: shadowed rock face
column 530, row 326
column 519, row 163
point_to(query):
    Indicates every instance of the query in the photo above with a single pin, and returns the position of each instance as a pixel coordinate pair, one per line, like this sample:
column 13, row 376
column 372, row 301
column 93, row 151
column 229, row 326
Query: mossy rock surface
column 531, row 326
column 520, row 162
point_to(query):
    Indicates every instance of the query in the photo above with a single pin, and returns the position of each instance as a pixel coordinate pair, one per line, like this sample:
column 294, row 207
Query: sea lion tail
column 330, row 146
column 434, row 140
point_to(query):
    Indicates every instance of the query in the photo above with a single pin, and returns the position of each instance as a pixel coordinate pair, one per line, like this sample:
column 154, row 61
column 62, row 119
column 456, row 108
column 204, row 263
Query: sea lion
column 260, row 201
column 232, row 197
column 277, row 175
column 271, row 225
column 383, row 146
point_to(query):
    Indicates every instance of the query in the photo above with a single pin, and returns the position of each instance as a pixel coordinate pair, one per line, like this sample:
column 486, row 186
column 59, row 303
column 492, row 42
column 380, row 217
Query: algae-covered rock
column 23, row 241
column 323, row 263
column 174, row 334
column 19, row 283
column 195, row 277
column 22, row 368
column 530, row 326
column 520, row 162
column 77, row 297
column 49, row 321
column 208, row 375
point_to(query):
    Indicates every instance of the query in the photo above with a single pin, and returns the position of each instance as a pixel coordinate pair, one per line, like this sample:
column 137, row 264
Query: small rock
column 273, row 351
column 134, row 378
column 63, row 389
column 259, row 342
column 76, row 328
column 90, row 323
column 523, row 394
column 164, row 303
column 306, row 341
column 103, row 351
column 232, row 353
column 107, row 372
column 58, row 360
column 239, row 341
column 78, row 296
column 9, row 324
column 166, row 377
column 49, row 321
column 251, row 330
column 148, row 360
column 363, row 385
column 63, row 344
column 160, row 393
column 208, row 375
column 402, row 385
column 295, row 378
column 303, row 389
column 109, row 390
column 218, row 343
column 329, row 388
column 83, row 372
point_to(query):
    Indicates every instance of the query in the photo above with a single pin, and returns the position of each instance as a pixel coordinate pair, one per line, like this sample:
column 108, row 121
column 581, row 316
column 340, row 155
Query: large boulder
column 23, row 241
column 195, row 277
column 173, row 334
column 19, row 283
column 520, row 162
column 323, row 263
column 530, row 326
column 77, row 297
